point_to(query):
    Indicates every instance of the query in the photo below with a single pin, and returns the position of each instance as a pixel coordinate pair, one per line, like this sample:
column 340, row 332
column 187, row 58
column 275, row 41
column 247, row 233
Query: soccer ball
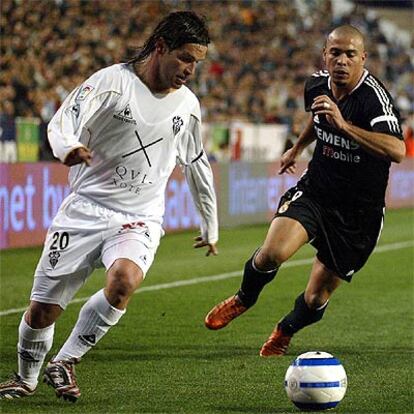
column 315, row 381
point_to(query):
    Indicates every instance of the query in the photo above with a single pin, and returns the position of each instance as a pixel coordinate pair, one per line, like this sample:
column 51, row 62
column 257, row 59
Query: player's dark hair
column 177, row 29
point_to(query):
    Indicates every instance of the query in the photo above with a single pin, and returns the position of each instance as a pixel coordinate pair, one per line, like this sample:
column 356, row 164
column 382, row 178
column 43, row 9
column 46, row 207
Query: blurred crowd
column 260, row 55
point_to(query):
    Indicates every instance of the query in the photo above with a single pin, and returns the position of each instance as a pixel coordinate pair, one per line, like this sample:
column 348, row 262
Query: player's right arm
column 69, row 129
column 288, row 161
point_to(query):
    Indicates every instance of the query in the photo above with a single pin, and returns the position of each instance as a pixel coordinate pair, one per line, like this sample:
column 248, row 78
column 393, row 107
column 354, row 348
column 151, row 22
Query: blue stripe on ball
column 331, row 384
column 315, row 361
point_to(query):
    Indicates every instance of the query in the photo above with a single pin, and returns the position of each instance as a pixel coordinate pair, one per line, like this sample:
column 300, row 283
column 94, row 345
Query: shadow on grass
column 253, row 409
column 162, row 352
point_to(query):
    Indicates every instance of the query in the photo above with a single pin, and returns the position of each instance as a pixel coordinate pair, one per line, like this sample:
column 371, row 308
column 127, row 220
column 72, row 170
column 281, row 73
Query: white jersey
column 136, row 139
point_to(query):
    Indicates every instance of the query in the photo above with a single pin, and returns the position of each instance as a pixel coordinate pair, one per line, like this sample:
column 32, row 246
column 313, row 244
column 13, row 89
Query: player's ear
column 364, row 56
column 160, row 46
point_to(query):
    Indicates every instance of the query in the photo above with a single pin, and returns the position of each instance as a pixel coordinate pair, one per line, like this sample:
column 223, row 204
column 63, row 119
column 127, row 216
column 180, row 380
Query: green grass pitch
column 161, row 359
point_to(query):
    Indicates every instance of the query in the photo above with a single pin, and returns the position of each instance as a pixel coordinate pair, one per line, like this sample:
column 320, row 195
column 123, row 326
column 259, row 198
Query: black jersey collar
column 365, row 73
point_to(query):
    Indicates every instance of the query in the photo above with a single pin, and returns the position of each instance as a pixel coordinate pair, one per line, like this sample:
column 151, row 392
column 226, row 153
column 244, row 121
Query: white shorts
column 84, row 236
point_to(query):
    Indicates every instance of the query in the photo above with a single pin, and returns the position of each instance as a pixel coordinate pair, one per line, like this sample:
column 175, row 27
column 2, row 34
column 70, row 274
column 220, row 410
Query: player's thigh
column 71, row 251
column 284, row 237
column 57, row 290
column 137, row 244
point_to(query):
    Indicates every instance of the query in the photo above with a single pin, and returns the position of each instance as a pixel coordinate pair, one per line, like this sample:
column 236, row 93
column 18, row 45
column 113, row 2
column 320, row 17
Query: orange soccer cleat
column 223, row 313
column 277, row 343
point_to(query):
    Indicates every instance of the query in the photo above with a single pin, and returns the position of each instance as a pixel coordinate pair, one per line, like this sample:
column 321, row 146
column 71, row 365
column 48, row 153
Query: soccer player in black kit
column 338, row 204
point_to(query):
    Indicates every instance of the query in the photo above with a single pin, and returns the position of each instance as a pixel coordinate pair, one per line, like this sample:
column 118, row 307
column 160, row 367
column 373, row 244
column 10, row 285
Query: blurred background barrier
column 250, row 88
column 260, row 55
column 248, row 193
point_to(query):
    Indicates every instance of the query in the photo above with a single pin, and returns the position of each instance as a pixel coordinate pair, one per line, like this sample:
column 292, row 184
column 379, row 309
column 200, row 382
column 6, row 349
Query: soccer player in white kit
column 122, row 132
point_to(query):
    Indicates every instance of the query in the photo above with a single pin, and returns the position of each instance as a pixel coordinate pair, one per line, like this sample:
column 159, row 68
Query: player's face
column 344, row 58
column 177, row 66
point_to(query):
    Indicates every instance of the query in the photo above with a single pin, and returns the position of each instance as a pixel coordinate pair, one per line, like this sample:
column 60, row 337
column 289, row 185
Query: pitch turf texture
column 161, row 359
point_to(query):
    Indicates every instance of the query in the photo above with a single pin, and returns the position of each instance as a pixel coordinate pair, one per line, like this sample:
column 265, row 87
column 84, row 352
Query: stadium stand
column 261, row 52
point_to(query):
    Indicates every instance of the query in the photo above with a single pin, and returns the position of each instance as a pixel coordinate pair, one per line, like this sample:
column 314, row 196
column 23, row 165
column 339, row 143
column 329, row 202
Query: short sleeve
column 381, row 112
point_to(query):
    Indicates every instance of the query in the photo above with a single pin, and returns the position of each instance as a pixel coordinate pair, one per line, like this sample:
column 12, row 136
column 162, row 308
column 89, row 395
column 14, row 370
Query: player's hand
column 200, row 242
column 78, row 155
column 323, row 105
column 288, row 162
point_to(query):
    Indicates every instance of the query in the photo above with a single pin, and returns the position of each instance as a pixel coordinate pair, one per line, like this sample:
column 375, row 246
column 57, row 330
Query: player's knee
column 122, row 284
column 270, row 257
column 41, row 315
column 314, row 300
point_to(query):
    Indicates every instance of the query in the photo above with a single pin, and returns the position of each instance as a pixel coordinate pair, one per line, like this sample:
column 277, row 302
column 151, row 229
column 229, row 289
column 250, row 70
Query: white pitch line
column 222, row 276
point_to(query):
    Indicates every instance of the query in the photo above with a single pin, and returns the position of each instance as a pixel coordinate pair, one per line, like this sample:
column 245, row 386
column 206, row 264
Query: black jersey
column 341, row 171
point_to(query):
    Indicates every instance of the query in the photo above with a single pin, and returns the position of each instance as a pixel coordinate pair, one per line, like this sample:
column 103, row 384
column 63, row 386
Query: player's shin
column 253, row 282
column 301, row 316
column 96, row 317
column 32, row 348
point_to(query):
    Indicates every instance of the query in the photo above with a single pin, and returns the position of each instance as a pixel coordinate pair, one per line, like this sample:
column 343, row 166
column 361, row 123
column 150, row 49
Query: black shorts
column 344, row 237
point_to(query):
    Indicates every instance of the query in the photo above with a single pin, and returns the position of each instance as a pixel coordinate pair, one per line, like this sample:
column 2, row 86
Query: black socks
column 301, row 316
column 253, row 282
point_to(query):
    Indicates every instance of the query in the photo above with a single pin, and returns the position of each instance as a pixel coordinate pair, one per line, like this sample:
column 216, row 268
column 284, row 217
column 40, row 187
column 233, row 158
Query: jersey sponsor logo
column 125, row 116
column 84, row 91
column 129, row 179
column 177, row 124
column 340, row 155
column 335, row 140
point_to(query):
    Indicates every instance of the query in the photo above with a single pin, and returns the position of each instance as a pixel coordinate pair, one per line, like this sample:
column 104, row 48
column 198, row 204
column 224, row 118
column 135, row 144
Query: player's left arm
column 381, row 144
column 199, row 176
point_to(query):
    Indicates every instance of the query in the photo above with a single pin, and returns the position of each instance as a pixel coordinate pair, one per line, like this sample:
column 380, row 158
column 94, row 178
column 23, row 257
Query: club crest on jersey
column 84, row 92
column 54, row 258
column 177, row 124
column 125, row 116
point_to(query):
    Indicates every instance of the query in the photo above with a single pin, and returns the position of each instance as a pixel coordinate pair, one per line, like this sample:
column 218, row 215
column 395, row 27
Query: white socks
column 32, row 348
column 95, row 318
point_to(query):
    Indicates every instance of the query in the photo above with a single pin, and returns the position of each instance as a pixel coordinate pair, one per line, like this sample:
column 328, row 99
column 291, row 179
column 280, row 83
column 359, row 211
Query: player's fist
column 78, row 155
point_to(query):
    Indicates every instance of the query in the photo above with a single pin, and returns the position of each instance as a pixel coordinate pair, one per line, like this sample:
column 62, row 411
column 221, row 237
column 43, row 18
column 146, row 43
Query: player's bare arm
column 288, row 160
column 211, row 247
column 78, row 155
column 377, row 143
